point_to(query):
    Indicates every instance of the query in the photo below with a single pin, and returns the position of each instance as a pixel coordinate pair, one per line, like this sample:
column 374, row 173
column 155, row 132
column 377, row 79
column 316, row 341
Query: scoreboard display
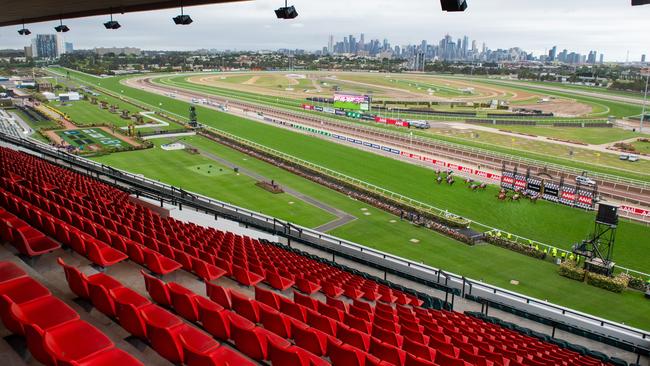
column 352, row 102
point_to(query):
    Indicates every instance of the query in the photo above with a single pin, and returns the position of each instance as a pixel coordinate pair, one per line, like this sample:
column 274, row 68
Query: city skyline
column 612, row 27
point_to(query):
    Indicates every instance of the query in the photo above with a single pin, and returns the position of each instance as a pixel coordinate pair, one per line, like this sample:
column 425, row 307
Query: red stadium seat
column 10, row 271
column 214, row 319
column 183, row 301
column 103, row 255
column 159, row 264
column 306, row 301
column 354, row 338
column 130, row 307
column 100, row 293
column 275, row 321
column 71, row 341
column 387, row 352
column 411, row 360
column 267, row 297
column 23, row 289
column 46, row 312
column 109, row 357
column 310, row 339
column 245, row 307
column 163, row 329
column 198, row 347
column 246, row 277
column 278, row 282
column 77, row 281
column 218, row 294
column 307, row 286
column 31, row 242
column 206, row 271
column 157, row 290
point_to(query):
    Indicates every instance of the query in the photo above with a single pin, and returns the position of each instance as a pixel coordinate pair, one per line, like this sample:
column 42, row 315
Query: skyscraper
column 69, row 47
column 60, row 44
column 330, row 45
column 45, row 46
column 602, row 58
column 642, row 59
column 465, row 46
column 552, row 54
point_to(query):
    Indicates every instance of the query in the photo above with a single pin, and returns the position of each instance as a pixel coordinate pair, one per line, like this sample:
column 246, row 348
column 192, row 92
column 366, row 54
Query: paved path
column 342, row 216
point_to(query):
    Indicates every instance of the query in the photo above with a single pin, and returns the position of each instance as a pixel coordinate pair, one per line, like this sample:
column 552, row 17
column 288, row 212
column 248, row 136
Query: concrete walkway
column 342, row 216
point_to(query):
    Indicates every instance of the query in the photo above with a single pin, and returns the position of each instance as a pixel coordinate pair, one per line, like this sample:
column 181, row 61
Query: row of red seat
column 27, row 240
column 168, row 335
column 55, row 334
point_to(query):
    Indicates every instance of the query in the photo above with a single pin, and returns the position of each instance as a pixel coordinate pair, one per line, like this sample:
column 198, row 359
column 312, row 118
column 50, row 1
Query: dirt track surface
column 487, row 161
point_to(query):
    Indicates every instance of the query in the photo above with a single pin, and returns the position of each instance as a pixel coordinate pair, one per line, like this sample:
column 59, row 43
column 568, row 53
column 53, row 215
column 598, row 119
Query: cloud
column 609, row 26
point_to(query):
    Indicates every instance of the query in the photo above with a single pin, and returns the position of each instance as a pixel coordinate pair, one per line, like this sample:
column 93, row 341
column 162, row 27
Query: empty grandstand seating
column 55, row 334
column 361, row 322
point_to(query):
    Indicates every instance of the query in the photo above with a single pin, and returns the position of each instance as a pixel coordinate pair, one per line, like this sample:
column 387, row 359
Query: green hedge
column 514, row 246
column 636, row 283
column 570, row 270
column 614, row 284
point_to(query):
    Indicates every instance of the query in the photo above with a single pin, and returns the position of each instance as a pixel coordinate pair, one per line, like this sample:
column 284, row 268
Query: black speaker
column 453, row 5
column 607, row 214
column 640, row 2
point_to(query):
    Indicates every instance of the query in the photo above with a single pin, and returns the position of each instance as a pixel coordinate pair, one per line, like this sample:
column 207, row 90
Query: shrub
column 515, row 246
column 634, row 282
column 570, row 270
column 614, row 284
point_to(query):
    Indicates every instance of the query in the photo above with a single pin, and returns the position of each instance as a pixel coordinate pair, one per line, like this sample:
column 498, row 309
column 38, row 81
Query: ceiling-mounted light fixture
column 182, row 19
column 24, row 31
column 453, row 5
column 61, row 28
column 112, row 24
column 286, row 12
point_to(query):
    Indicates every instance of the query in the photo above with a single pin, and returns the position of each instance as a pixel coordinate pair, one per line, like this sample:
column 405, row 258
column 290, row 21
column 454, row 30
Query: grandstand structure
column 9, row 126
column 99, row 272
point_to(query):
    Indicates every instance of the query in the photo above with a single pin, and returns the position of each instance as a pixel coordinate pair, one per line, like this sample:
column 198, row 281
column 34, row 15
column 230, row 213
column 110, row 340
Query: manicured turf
column 179, row 168
column 595, row 136
column 36, row 125
column 642, row 147
column 534, row 221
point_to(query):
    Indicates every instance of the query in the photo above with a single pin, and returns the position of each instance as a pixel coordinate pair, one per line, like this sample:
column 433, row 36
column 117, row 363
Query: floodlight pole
column 645, row 99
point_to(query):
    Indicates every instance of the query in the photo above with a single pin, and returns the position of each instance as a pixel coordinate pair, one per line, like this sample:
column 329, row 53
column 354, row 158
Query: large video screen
column 352, row 102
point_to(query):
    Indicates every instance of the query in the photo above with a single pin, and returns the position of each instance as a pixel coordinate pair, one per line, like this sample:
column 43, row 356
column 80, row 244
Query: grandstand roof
column 33, row 11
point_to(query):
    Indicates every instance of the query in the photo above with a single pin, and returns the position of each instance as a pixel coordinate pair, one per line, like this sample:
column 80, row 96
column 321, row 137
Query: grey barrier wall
column 140, row 185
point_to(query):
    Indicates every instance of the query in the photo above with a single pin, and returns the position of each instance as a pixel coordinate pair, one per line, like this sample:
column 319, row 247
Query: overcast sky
column 612, row 27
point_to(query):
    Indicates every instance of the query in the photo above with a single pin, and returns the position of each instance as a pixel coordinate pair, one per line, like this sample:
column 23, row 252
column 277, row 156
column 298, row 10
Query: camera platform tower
column 598, row 248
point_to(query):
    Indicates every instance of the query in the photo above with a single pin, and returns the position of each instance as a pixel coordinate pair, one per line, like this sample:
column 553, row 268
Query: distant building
column 642, row 59
column 45, row 46
column 60, row 45
column 29, row 51
column 102, row 51
column 69, row 47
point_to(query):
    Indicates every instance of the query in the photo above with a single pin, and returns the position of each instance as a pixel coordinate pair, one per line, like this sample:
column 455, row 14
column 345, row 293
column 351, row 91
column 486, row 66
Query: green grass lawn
column 83, row 113
column 179, row 168
column 595, row 136
column 642, row 147
column 386, row 232
column 523, row 218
